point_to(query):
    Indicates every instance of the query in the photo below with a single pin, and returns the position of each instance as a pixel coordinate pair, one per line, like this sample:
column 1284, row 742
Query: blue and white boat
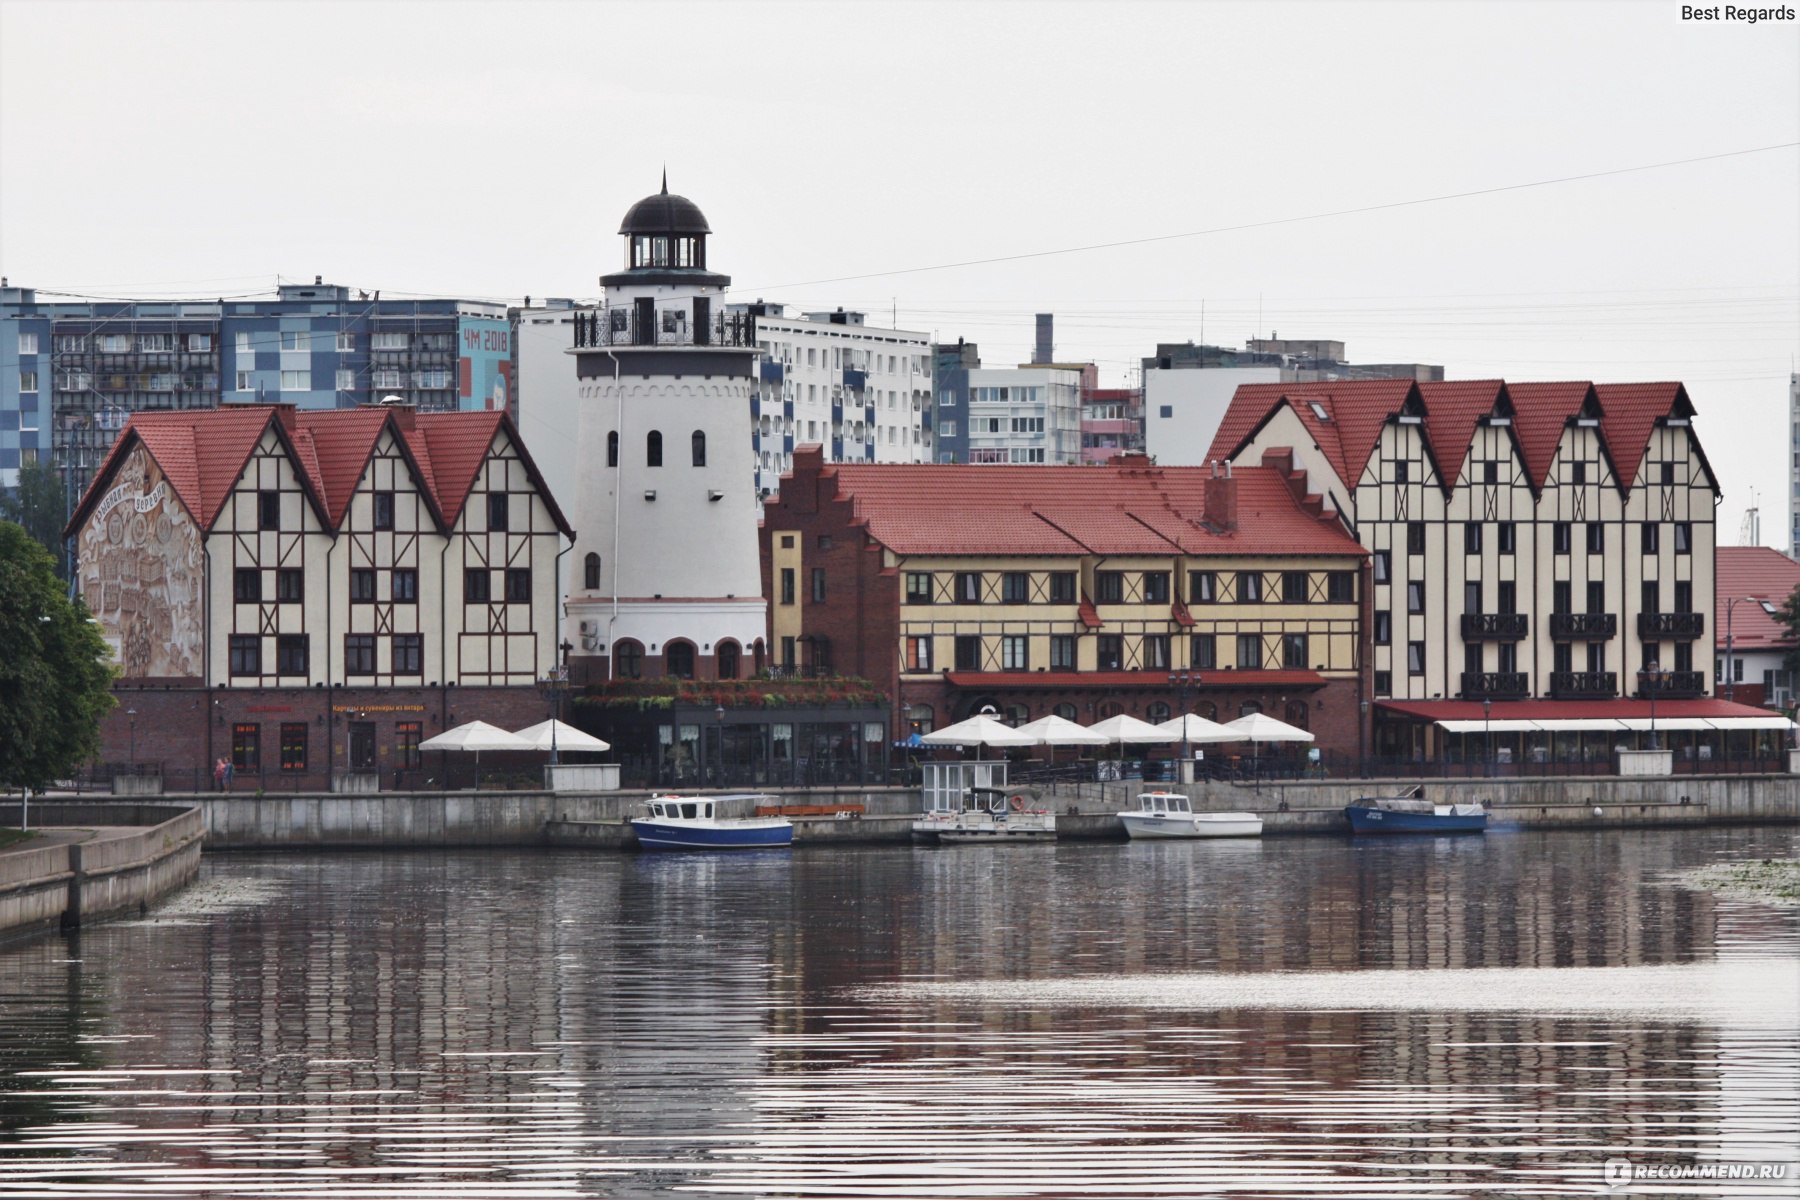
column 1414, row 814
column 712, row 823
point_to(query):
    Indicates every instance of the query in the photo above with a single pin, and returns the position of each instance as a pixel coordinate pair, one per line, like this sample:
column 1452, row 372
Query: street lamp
column 1650, row 682
column 719, row 716
column 1487, row 735
column 131, row 715
column 553, row 686
column 1184, row 682
column 1730, row 681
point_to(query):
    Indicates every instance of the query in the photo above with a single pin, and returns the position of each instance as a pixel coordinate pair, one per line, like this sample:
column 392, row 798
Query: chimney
column 1046, row 340
column 1221, row 499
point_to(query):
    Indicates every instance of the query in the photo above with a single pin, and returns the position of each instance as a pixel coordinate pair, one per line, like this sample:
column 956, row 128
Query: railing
column 1495, row 685
column 1653, row 627
column 1674, row 685
column 1584, row 685
column 1584, row 627
column 607, row 328
column 1495, row 627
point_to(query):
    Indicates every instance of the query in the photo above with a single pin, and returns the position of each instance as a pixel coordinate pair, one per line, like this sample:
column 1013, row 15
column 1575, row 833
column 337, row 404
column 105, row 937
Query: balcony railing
column 1584, row 627
column 1681, row 626
column 1673, row 685
column 1495, row 627
column 1495, row 685
column 1584, row 685
column 612, row 328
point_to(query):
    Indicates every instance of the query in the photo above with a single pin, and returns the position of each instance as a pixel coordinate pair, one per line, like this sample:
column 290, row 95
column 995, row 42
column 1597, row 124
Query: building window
column 498, row 510
column 387, row 341
column 362, row 585
column 967, row 652
column 246, row 748
column 1472, row 596
column 1202, row 651
column 1249, row 652
column 1249, row 587
column 293, row 340
column 918, row 654
column 1340, row 587
column 359, row 654
column 346, row 343
column 518, row 585
column 1472, row 537
column 1156, row 652
column 291, row 654
column 404, row 585
column 699, row 447
column 409, row 654
column 407, row 736
column 1202, row 587
column 1294, row 587
column 968, row 588
column 628, row 658
column 296, row 381
column 1596, row 538
column 1156, row 587
column 1508, row 599
column 653, row 448
column 725, row 656
column 1577, row 472
column 293, row 746
column 346, row 380
column 1649, row 537
column 1293, row 651
column 1109, row 587
column 246, row 654
column 1667, row 474
column 1109, row 652
column 1490, row 471
column 1415, row 537
column 1509, row 537
column 1415, row 658
column 28, row 343
column 1062, row 587
column 1384, row 627
column 1415, row 596
column 383, row 510
column 590, row 572
column 1383, row 565
column 1684, row 537
column 246, row 585
column 787, row 585
column 477, row 586
column 918, row 587
column 678, row 657
column 1014, row 654
column 290, row 585
column 1015, row 587
column 268, row 510
column 818, row 585
column 1559, row 537
column 1384, row 683
column 1401, row 472
column 1062, row 652
column 612, row 448
column 28, row 381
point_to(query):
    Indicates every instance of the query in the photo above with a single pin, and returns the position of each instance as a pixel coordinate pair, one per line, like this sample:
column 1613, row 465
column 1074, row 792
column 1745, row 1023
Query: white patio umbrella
column 979, row 730
column 1191, row 728
column 1060, row 731
column 1257, row 728
column 476, row 736
column 1123, row 728
column 561, row 735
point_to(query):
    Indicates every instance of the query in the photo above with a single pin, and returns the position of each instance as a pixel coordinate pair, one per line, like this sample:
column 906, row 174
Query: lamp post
column 552, row 686
column 131, row 717
column 1730, row 681
column 1650, row 682
column 1184, row 682
column 719, row 716
column 1487, row 736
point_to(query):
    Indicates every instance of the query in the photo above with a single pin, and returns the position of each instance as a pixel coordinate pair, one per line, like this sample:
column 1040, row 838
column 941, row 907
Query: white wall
column 1196, row 399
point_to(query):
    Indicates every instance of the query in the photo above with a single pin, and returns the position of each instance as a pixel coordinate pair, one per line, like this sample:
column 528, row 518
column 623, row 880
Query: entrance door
column 362, row 745
column 643, row 320
column 702, row 320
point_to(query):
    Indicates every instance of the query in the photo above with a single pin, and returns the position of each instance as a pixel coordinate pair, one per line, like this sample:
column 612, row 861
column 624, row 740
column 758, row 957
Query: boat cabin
column 704, row 808
column 1164, row 804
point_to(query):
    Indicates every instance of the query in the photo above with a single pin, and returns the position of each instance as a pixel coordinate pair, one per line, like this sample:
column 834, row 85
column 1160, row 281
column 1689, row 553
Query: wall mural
column 142, row 573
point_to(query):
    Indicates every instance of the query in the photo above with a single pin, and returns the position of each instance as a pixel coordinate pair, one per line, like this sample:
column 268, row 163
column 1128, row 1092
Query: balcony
column 1584, row 685
column 1673, row 685
column 1495, row 685
column 620, row 328
column 1495, row 627
column 1666, row 626
column 1584, row 627
column 856, row 381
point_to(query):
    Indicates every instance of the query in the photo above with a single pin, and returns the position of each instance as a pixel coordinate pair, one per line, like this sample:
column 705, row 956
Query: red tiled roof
column 335, row 446
column 1052, row 510
column 1358, row 408
column 1632, row 410
column 1758, row 573
column 1567, row 710
column 1452, row 411
column 457, row 443
column 1541, row 412
column 1133, row 679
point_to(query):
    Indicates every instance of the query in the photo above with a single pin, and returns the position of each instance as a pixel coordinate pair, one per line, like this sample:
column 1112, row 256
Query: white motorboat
column 991, row 816
column 1172, row 815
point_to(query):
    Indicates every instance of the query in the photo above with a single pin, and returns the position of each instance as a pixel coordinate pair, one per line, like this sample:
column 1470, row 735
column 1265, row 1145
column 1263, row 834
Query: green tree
column 55, row 673
column 1789, row 615
column 40, row 504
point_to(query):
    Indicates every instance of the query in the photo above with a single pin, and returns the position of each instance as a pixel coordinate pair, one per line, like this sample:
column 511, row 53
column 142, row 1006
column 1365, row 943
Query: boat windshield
column 688, row 810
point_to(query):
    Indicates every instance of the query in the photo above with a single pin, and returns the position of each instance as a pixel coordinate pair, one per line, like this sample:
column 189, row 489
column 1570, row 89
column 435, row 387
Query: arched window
column 1297, row 714
column 1108, row 708
column 756, row 656
column 612, row 448
column 678, row 659
column 590, row 572
column 921, row 718
column 1248, row 708
column 699, row 441
column 653, row 448
column 628, row 660
column 1017, row 715
column 1157, row 713
column 1209, row 710
column 1068, row 712
column 728, row 655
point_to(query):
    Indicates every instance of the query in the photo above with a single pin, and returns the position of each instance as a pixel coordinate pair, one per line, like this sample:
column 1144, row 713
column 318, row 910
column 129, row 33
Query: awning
column 1619, row 725
column 1703, row 715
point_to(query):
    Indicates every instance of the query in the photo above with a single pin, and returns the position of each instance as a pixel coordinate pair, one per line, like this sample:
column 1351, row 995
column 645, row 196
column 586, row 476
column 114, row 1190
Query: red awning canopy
column 1132, row 679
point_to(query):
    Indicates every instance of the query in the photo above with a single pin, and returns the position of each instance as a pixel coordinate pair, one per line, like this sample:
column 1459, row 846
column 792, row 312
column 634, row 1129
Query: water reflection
column 1121, row 1020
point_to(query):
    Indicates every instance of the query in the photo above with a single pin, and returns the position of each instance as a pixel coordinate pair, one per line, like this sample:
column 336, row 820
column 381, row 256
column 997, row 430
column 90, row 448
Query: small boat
column 711, row 823
column 1412, row 813
column 991, row 815
column 1172, row 815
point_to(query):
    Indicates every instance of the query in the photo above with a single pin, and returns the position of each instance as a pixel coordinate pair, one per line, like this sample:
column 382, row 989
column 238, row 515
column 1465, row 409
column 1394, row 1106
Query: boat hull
column 986, row 832
column 724, row 835
column 1364, row 819
column 1191, row 825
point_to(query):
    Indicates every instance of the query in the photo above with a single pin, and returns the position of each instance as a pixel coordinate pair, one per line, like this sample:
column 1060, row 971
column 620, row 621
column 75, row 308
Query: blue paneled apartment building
column 72, row 371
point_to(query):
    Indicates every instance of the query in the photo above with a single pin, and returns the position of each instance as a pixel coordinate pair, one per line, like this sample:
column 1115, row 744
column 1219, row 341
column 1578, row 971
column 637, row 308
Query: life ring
column 1018, row 803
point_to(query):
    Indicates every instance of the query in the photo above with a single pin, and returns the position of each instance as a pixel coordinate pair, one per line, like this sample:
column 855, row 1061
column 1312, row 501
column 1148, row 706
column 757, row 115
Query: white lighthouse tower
column 666, row 578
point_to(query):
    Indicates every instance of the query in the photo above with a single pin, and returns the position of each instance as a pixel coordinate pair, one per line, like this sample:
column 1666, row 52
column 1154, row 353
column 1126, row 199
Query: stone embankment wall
column 71, row 884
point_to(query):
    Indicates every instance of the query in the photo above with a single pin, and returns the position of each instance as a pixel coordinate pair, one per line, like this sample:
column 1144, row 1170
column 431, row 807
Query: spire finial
column 665, row 190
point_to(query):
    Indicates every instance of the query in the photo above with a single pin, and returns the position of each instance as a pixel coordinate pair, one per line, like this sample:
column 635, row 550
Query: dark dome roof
column 663, row 213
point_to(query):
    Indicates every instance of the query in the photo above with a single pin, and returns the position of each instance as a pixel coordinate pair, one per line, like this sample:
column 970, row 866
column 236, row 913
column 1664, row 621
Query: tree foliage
column 55, row 669
column 41, row 505
column 1789, row 615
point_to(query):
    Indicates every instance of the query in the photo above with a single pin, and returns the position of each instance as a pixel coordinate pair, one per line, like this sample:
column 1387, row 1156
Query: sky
column 879, row 156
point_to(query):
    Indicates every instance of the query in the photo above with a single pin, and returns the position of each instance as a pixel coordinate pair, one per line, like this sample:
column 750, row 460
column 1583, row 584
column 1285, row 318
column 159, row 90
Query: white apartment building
column 1019, row 415
column 831, row 379
column 1183, row 409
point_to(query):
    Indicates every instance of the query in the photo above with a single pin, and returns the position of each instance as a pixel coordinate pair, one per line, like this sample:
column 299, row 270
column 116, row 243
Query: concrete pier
column 95, row 861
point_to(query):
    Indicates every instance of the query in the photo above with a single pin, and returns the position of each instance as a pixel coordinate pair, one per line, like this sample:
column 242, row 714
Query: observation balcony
column 1676, row 626
column 1584, row 627
column 1495, row 627
column 625, row 328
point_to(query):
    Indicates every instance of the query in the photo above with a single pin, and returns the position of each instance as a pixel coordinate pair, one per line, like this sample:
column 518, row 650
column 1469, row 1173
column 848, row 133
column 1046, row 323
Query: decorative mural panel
column 142, row 574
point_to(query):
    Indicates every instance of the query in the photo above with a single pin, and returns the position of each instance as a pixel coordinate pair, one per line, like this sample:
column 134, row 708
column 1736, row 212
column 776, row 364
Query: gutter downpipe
column 612, row 656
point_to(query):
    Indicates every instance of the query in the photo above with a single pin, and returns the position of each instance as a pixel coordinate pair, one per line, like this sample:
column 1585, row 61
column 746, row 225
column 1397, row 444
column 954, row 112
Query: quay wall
column 69, row 884
column 394, row 820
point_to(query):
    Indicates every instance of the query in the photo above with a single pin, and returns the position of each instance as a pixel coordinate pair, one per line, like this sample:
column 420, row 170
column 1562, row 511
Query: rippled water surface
column 1294, row 1017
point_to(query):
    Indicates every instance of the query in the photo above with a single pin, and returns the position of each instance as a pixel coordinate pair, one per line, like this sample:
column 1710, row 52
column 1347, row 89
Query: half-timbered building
column 310, row 594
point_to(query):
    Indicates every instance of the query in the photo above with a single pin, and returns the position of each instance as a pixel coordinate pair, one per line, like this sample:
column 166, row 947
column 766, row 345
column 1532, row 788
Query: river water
column 1478, row 1016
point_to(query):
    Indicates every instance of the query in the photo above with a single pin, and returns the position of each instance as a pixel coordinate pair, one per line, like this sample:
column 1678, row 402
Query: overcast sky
column 490, row 149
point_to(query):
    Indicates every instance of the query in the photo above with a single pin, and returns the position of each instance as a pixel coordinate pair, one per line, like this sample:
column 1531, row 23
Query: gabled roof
column 1452, row 411
column 1357, row 410
column 1751, row 575
column 1541, row 411
column 335, row 447
column 1632, row 410
column 1121, row 508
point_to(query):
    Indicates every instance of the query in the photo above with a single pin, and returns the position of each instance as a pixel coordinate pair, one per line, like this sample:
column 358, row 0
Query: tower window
column 653, row 448
column 612, row 448
column 699, row 442
column 590, row 573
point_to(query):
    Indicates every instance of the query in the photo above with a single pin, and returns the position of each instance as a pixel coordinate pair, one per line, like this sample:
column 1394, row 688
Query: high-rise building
column 1793, row 500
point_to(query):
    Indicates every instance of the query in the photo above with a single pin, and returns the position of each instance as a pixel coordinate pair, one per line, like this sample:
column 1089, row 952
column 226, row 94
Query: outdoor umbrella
column 1123, row 728
column 476, row 736
column 1060, row 731
column 979, row 730
column 1257, row 728
column 565, row 737
column 1190, row 729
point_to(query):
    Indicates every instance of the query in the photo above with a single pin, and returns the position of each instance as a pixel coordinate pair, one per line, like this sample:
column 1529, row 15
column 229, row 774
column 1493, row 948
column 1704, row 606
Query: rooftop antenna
column 1750, row 532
